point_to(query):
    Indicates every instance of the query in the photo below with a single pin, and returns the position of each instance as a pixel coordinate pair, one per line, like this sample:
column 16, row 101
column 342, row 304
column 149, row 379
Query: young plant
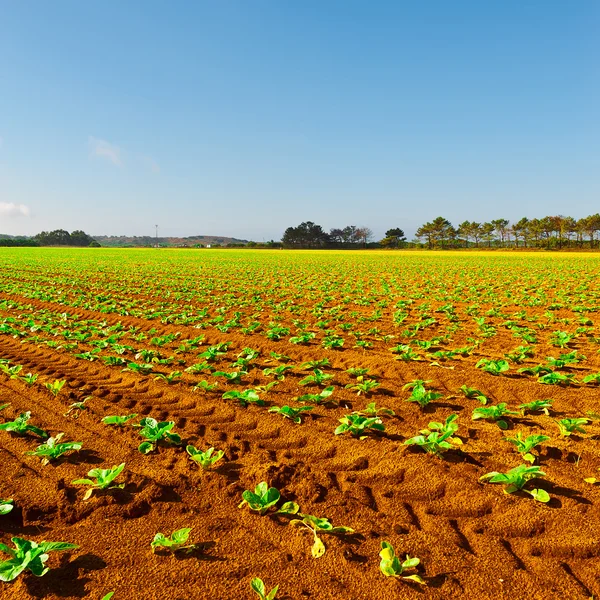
column 371, row 410
column 315, row 364
column 391, row 566
column 363, row 387
column 494, row 413
column 20, row 426
column 277, row 372
column 172, row 377
column 244, row 398
column 76, row 408
column 359, row 426
column 516, row 479
column 104, row 480
column 319, row 525
column 592, row 378
column 495, row 367
column 29, row 379
column 438, row 438
column 205, row 386
column 6, row 505
column 154, row 431
column 317, row 378
column 28, row 555
column 53, row 448
column 470, row 392
column 324, row 397
column 235, row 377
column 557, row 378
column 175, row 543
column 422, row 396
column 569, row 426
column 526, row 445
column 259, row 587
column 295, row 414
column 261, row 499
column 118, row 420
column 205, row 459
column 537, row 406
column 55, row 387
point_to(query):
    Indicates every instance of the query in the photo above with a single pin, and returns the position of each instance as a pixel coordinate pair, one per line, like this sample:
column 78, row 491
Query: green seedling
column 213, row 353
column 199, row 368
column 363, row 387
column 114, row 361
column 358, row 372
column 319, row 525
column 592, row 378
column 244, row 398
column 515, row 480
column 205, row 459
column 519, row 354
column 259, row 587
column 474, row 393
column 422, row 396
column 6, row 505
column 261, row 499
column 76, row 408
column 411, row 385
column 104, row 480
column 154, row 431
column 108, row 596
column 494, row 413
column 371, row 410
column 175, row 543
column 266, row 387
column 20, row 426
column 279, row 357
column 315, row 364
column 535, row 370
column 53, row 448
column 391, row 566
column 317, row 378
column 570, row 426
column 438, row 438
column 55, row 387
column 142, row 369
column 537, row 406
column 557, row 378
column 304, row 338
column 295, row 414
column 118, row 420
column 172, row 377
column 561, row 339
column 359, row 426
column 29, row 379
column 235, row 377
column 205, row 386
column 28, row 555
column 277, row 372
column 494, row 367
column 526, row 445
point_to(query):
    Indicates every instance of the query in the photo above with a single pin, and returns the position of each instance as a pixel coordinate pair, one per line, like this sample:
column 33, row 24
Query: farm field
column 472, row 347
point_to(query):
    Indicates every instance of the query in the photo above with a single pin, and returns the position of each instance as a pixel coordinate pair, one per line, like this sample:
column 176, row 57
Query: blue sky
column 241, row 118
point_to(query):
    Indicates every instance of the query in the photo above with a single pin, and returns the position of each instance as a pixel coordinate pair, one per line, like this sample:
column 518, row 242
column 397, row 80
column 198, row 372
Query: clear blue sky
column 241, row 118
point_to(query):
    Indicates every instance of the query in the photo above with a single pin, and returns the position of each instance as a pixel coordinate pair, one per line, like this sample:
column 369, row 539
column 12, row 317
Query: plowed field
column 124, row 328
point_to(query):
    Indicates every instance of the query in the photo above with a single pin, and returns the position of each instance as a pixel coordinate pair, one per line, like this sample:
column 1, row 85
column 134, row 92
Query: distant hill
column 119, row 241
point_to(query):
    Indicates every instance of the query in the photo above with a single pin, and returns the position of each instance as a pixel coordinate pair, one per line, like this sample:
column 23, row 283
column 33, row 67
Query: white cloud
column 106, row 150
column 10, row 209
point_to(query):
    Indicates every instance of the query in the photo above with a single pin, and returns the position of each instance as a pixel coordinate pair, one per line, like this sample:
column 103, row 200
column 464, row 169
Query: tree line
column 311, row 235
column 552, row 232
column 58, row 237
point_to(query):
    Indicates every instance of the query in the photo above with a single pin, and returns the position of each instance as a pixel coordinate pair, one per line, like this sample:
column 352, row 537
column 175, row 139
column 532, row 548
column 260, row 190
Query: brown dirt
column 474, row 541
